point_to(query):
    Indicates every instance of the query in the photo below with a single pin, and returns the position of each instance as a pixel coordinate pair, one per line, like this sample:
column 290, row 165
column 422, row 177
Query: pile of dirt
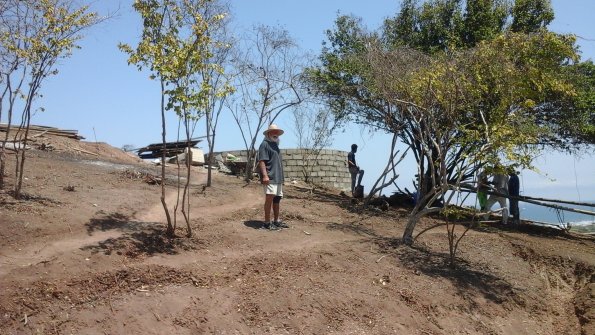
column 61, row 144
column 85, row 252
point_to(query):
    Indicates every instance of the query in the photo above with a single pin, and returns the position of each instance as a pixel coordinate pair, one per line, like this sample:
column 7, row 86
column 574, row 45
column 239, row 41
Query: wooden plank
column 85, row 151
column 35, row 129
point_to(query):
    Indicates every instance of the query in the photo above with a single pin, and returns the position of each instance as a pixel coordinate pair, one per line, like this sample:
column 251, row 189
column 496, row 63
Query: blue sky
column 97, row 93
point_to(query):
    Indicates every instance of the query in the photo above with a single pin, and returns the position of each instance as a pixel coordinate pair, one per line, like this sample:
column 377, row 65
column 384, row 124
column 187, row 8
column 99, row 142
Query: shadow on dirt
column 254, row 224
column 26, row 197
column 138, row 238
column 466, row 277
column 114, row 221
column 353, row 228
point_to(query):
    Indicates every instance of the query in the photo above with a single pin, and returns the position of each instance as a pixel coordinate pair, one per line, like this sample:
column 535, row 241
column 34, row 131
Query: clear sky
column 97, row 93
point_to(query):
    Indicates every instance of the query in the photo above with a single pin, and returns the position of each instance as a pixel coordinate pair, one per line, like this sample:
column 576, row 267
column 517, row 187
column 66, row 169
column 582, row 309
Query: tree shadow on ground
column 354, row 228
column 27, row 197
column 466, row 277
column 114, row 221
column 138, row 238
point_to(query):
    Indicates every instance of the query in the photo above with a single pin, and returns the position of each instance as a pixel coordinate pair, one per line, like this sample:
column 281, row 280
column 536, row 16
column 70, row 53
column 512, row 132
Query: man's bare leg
column 268, row 204
column 276, row 212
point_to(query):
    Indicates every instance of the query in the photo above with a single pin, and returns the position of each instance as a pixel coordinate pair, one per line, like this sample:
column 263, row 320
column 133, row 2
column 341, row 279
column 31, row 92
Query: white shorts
column 275, row 189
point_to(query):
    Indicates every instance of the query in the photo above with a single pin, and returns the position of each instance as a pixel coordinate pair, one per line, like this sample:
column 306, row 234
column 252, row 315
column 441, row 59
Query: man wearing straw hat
column 270, row 168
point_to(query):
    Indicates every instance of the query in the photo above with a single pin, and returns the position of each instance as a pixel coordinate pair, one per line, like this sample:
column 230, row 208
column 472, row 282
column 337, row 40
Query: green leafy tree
column 531, row 15
column 433, row 26
column 175, row 47
column 439, row 25
column 577, row 114
column 484, row 20
column 34, row 36
column 473, row 105
column 495, row 96
column 219, row 81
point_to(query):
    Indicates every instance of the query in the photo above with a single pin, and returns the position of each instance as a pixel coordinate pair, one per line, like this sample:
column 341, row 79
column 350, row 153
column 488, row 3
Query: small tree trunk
column 250, row 165
column 186, row 194
column 21, row 152
column 408, row 233
column 170, row 229
column 414, row 218
column 2, row 166
column 3, row 155
column 210, row 157
column 209, row 167
column 210, row 140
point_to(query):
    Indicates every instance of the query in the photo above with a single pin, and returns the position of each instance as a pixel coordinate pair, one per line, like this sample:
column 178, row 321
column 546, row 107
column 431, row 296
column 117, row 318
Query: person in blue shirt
column 270, row 170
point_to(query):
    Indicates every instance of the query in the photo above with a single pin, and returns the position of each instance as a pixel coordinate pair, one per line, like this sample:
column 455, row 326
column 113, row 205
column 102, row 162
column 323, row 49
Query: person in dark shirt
column 270, row 168
column 514, row 190
column 354, row 169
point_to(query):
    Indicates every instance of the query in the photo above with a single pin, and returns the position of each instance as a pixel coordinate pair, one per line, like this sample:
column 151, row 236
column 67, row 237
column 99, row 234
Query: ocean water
column 578, row 222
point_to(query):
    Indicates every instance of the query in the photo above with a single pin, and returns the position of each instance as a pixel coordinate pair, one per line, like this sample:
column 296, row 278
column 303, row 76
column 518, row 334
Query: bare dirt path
column 95, row 261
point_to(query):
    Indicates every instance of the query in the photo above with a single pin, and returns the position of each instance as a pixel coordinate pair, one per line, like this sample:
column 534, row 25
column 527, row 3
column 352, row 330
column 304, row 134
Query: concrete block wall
column 329, row 169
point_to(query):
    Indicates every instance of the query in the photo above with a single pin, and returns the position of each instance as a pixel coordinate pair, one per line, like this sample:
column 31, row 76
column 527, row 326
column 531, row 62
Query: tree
column 314, row 127
column 474, row 106
column 451, row 107
column 531, row 15
column 483, row 20
column 440, row 25
column 175, row 46
column 576, row 130
column 128, row 147
column 219, row 82
column 34, row 36
column 268, row 70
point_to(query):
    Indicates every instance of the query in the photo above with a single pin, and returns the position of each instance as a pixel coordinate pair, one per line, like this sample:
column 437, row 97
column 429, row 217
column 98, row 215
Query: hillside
column 84, row 253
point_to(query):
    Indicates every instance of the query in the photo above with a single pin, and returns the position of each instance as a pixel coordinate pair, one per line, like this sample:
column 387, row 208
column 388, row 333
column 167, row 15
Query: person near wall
column 500, row 182
column 270, row 168
column 354, row 169
column 514, row 186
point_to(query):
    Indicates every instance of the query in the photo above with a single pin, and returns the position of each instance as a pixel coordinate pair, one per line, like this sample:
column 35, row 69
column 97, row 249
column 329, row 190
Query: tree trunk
column 186, row 193
column 170, row 229
column 211, row 146
column 414, row 218
column 21, row 152
column 250, row 165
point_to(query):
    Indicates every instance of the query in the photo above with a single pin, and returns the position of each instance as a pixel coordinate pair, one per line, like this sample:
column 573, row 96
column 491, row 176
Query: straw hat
column 273, row 127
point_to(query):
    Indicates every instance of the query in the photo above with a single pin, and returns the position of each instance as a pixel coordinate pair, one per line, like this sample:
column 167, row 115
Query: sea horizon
column 576, row 221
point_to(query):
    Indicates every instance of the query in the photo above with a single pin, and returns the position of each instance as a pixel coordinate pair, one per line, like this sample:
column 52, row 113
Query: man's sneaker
column 270, row 226
column 280, row 224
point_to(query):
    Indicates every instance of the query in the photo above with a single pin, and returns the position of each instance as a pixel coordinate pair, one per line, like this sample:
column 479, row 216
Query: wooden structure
column 39, row 130
column 155, row 150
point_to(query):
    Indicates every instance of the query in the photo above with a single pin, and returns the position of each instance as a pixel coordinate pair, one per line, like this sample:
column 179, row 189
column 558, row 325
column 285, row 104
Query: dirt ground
column 84, row 253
